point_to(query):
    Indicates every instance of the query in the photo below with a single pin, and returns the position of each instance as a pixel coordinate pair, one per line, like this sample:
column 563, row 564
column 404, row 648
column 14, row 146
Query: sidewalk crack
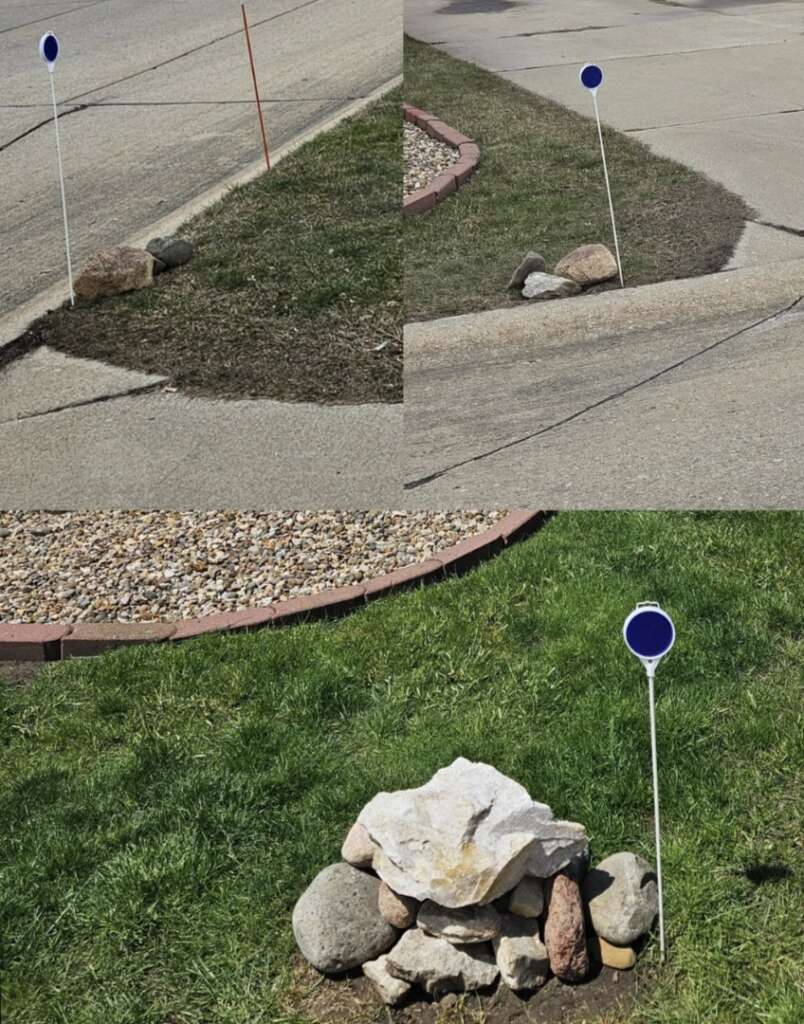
column 142, row 389
column 421, row 481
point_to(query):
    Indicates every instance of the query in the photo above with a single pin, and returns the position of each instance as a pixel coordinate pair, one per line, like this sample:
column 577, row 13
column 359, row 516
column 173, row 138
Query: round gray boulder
column 171, row 252
column 622, row 896
column 337, row 922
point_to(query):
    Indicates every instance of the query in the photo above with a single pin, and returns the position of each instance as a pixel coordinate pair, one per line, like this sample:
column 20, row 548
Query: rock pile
column 583, row 267
column 466, row 883
column 124, row 269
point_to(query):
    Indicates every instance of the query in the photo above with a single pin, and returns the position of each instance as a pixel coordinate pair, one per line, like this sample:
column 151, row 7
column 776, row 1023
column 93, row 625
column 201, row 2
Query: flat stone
column 171, row 252
column 459, row 926
column 400, row 911
column 623, row 897
column 391, row 990
column 533, row 262
column 521, row 955
column 358, row 849
column 114, row 271
column 337, row 923
column 527, row 899
column 440, row 967
column 466, row 837
column 549, row 286
column 588, row 264
column 564, row 930
column 622, row 958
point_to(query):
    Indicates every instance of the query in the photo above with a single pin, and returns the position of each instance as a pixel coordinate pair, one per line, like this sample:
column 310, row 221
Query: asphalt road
column 157, row 106
column 714, row 84
column 686, row 394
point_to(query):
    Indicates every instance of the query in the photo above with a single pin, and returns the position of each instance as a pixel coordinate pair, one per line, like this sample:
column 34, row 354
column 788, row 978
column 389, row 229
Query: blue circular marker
column 591, row 77
column 649, row 632
column 49, row 49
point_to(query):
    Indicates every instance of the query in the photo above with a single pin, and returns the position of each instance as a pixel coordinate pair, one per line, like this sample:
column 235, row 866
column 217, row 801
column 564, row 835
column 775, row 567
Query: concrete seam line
column 412, row 485
column 20, row 319
column 19, row 641
column 450, row 180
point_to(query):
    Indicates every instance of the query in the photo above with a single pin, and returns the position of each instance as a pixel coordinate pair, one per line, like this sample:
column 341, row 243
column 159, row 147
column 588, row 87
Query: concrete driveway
column 714, row 84
column 686, row 394
column 157, row 106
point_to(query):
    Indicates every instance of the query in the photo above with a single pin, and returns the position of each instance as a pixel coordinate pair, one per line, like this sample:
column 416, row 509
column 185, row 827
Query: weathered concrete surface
column 169, row 109
column 666, row 65
column 560, row 406
column 45, row 379
column 169, row 451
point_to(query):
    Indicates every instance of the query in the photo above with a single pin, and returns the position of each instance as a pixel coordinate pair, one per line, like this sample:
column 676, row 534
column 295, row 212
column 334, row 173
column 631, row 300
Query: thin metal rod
column 61, row 185
column 657, row 829
column 608, row 190
column 256, row 87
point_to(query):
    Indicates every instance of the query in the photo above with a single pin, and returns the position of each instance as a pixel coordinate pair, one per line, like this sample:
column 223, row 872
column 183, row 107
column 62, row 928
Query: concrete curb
column 453, row 177
column 751, row 292
column 15, row 323
column 30, row 642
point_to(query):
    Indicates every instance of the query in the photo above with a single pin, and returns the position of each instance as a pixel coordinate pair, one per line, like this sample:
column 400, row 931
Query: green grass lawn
column 540, row 186
column 163, row 808
column 295, row 291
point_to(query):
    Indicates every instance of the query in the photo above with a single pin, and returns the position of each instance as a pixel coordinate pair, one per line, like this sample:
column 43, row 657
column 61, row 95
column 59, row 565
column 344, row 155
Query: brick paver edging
column 54, row 643
column 453, row 177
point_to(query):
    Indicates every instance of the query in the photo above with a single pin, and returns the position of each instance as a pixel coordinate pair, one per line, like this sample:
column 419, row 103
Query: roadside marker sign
column 49, row 50
column 649, row 634
column 592, row 78
column 256, row 87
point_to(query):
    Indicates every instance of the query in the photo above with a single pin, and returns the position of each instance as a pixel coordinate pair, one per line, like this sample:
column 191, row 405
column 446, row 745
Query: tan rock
column 358, row 849
column 622, row 958
column 564, row 930
column 589, row 264
column 520, row 954
column 400, row 911
column 114, row 271
column 391, row 990
column 461, row 925
column 527, row 899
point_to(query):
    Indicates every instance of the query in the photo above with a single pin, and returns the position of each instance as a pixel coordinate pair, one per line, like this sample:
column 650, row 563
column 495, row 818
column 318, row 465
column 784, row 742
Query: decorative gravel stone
column 424, row 158
column 160, row 566
column 391, row 990
column 400, row 911
column 521, row 955
column 336, row 921
column 358, row 849
column 440, row 967
column 459, row 925
column 564, row 930
column 527, row 899
column 623, row 897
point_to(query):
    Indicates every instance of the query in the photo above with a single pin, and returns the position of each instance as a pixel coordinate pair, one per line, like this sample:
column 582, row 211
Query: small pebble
column 424, row 158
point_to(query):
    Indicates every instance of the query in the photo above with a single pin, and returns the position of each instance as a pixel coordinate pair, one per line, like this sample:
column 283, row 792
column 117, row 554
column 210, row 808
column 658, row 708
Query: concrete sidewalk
column 714, row 85
column 79, row 434
column 686, row 394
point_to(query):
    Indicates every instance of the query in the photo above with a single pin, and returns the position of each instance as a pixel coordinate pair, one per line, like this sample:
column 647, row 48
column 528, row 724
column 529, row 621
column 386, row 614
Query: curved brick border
column 450, row 180
column 54, row 643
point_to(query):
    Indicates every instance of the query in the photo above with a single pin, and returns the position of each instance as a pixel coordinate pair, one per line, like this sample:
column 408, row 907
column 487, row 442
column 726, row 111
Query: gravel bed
column 160, row 566
column 424, row 157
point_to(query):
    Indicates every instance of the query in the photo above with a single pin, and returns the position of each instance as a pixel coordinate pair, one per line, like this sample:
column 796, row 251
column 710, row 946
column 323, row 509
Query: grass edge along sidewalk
column 540, row 186
column 295, row 290
column 165, row 807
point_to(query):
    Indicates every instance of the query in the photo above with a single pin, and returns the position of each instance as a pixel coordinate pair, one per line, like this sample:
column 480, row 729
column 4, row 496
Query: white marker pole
column 587, row 83
column 49, row 56
column 649, row 633
column 657, row 829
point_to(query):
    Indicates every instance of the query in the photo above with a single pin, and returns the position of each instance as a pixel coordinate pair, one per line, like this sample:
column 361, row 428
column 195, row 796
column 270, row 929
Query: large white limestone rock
column 466, row 837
